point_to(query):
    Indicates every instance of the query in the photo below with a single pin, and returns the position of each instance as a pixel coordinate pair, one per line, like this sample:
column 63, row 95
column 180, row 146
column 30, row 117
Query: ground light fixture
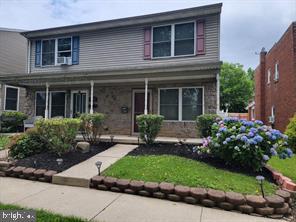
column 98, row 165
column 260, row 180
column 59, row 161
column 111, row 138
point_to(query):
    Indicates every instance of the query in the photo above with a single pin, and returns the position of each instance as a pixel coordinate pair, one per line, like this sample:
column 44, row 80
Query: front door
column 139, row 106
column 79, row 103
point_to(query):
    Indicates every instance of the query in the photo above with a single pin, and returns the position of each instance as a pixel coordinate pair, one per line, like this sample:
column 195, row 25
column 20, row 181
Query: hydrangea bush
column 248, row 144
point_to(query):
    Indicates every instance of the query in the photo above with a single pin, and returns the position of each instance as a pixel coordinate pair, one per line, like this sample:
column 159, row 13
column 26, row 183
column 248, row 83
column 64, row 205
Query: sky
column 246, row 25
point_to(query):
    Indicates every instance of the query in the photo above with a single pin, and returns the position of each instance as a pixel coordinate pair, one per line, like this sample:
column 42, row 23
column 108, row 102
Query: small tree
column 291, row 133
column 149, row 127
column 92, row 127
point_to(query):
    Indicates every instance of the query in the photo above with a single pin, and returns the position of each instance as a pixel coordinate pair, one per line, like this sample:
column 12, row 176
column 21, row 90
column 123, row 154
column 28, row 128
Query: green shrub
column 204, row 123
column 92, row 126
column 26, row 144
column 149, row 126
column 11, row 121
column 246, row 144
column 58, row 134
column 291, row 133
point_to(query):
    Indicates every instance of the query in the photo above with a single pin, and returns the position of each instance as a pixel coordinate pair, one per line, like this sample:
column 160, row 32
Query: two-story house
column 275, row 82
column 13, row 56
column 165, row 63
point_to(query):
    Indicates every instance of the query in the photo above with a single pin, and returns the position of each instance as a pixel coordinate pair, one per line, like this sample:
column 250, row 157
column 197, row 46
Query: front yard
column 286, row 167
column 185, row 171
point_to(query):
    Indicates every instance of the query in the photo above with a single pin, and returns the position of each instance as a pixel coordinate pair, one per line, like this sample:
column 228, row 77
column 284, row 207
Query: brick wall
column 282, row 93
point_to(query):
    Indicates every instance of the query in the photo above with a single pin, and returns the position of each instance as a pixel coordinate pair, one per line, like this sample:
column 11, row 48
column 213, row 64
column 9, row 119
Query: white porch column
column 146, row 96
column 91, row 97
column 46, row 101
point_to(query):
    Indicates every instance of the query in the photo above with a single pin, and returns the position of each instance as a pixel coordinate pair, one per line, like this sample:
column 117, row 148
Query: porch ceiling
column 134, row 75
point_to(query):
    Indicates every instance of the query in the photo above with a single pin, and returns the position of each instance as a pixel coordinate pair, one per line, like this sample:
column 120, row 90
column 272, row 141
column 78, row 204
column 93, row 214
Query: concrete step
column 80, row 174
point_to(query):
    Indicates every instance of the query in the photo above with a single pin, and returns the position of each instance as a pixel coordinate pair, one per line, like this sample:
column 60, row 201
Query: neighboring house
column 275, row 82
column 165, row 63
column 13, row 56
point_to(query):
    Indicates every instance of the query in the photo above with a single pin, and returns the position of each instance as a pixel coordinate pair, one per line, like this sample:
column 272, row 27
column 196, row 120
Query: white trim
column 173, row 39
column 133, row 105
column 18, row 97
column 28, row 56
column 276, row 71
column 71, row 103
column 91, row 111
column 180, row 102
column 268, row 76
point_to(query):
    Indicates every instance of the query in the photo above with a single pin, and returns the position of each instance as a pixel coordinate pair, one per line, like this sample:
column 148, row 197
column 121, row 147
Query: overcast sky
column 246, row 25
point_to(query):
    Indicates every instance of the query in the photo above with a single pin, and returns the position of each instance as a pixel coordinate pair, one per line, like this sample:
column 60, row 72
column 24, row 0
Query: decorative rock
column 264, row 211
column 144, row 193
column 276, row 216
column 102, row 187
column 275, row 201
column 159, row 195
column 226, row 206
column 136, row 185
column 198, row 193
column 235, row 198
column 28, row 172
column 110, row 181
column 48, row 175
column 115, row 189
column 289, row 185
column 190, row 200
column 216, row 195
column 83, row 147
column 9, row 171
column 96, row 180
column 208, row 203
column 18, row 170
column 246, row 209
column 174, row 197
column 151, row 187
column 166, row 188
column 42, row 179
column 284, row 194
column 256, row 201
column 39, row 173
column 129, row 191
column 122, row 183
column 282, row 210
column 182, row 191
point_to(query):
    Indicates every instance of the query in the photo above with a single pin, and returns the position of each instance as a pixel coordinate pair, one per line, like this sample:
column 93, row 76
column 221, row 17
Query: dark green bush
column 291, row 133
column 149, row 126
column 58, row 134
column 12, row 121
column 26, row 144
column 204, row 123
column 92, row 127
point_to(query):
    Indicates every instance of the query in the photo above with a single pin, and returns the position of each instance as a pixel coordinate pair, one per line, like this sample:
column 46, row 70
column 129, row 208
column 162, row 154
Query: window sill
column 173, row 57
column 179, row 121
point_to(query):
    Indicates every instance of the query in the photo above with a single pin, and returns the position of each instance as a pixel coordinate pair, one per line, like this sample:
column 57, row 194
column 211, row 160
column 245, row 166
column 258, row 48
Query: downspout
column 29, row 56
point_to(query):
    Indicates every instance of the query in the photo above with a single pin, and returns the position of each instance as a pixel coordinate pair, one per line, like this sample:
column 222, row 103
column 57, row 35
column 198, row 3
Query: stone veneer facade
column 112, row 98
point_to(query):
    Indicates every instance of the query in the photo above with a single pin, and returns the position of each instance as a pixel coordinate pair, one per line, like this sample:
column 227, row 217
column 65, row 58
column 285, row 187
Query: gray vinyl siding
column 13, row 52
column 123, row 47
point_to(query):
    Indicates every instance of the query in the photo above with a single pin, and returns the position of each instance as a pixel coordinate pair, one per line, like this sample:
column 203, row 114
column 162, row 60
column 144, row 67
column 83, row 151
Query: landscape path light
column 98, row 165
column 260, row 179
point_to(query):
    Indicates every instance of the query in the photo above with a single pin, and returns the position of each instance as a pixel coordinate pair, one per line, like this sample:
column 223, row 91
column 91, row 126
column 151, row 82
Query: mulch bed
column 47, row 160
column 186, row 151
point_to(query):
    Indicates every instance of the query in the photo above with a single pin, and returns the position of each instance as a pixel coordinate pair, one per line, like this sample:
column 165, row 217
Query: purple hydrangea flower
column 243, row 129
column 258, row 138
column 244, row 138
column 265, row 157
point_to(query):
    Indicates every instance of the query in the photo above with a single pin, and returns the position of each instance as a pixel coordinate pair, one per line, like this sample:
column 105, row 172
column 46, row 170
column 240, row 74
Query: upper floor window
column 11, row 98
column 276, row 72
column 268, row 76
column 64, row 47
column 48, row 52
column 173, row 40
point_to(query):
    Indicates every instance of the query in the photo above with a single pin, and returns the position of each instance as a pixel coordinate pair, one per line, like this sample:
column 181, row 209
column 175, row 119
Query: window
column 173, row 40
column 181, row 104
column 56, row 104
column 276, row 72
column 64, row 47
column 268, row 76
column 273, row 111
column 11, row 98
column 48, row 52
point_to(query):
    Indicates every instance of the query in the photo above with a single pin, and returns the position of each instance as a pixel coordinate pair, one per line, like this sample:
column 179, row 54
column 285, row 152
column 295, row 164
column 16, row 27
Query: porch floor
column 128, row 139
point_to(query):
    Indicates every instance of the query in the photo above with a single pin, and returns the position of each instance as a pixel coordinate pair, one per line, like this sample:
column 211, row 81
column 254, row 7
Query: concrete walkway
column 106, row 206
column 80, row 174
column 3, row 155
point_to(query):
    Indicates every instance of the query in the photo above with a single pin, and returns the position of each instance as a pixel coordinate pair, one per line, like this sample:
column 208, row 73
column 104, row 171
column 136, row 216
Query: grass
column 286, row 167
column 42, row 215
column 184, row 171
column 4, row 140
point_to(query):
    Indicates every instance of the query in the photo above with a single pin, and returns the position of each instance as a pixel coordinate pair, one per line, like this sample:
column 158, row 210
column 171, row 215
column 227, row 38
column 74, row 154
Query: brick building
column 275, row 82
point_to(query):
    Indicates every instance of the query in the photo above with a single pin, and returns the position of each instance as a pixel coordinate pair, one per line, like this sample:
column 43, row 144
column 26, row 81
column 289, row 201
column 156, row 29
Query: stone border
column 274, row 206
column 283, row 181
column 29, row 173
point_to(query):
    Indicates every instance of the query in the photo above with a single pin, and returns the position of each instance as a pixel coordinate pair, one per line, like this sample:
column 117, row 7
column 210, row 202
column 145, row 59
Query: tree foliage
column 236, row 87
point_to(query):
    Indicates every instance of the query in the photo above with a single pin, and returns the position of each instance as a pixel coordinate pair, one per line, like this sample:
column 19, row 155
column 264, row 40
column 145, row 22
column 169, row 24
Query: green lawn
column 43, row 216
column 3, row 141
column 286, row 167
column 184, row 171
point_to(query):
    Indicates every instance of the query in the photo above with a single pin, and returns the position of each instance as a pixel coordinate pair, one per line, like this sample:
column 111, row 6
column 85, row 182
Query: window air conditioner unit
column 271, row 119
column 64, row 61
